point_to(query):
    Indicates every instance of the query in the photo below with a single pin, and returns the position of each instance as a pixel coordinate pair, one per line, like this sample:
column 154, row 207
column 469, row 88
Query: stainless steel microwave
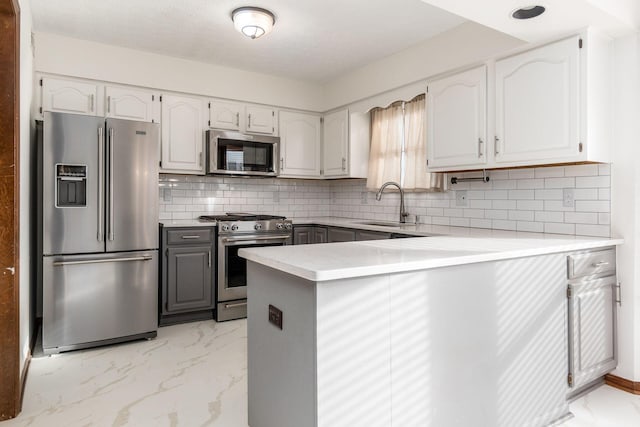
column 234, row 153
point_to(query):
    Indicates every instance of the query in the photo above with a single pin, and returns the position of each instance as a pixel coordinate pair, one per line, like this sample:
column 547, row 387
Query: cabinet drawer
column 190, row 236
column 591, row 263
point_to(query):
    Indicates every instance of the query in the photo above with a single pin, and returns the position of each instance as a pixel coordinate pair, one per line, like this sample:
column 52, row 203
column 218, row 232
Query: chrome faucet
column 403, row 213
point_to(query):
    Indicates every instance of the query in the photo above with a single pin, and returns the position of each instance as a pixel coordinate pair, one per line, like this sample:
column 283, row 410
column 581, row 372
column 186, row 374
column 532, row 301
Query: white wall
column 625, row 204
column 26, row 127
column 466, row 44
column 81, row 58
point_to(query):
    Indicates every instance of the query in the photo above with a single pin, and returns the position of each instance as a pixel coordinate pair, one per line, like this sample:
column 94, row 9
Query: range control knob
column 225, row 227
column 279, row 226
column 258, row 226
column 234, row 227
column 288, row 226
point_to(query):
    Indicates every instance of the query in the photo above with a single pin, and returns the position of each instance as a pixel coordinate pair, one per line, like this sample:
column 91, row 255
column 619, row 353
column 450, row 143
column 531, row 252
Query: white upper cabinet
column 336, row 144
column 537, row 110
column 132, row 104
column 183, row 124
column 263, row 120
column 457, row 120
column 69, row 96
column 299, row 145
column 225, row 115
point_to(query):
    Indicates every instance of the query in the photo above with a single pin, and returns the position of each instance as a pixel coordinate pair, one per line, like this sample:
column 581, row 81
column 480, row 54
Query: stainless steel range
column 235, row 231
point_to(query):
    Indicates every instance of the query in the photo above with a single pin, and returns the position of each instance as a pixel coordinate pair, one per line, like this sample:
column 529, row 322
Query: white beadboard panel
column 520, row 199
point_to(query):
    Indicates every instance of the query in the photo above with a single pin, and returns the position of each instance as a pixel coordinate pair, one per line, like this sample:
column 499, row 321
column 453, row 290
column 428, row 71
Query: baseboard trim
column 622, row 383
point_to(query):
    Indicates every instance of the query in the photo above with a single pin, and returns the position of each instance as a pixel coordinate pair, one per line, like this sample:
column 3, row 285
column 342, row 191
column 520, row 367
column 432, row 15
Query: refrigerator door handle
column 100, row 184
column 111, row 222
column 102, row 260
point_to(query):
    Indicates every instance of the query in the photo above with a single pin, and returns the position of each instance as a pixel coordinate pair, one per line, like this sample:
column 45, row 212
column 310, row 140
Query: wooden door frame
column 10, row 383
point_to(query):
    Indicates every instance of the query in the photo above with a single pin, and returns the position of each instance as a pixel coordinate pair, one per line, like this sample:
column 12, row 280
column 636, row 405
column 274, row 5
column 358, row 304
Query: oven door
column 232, row 269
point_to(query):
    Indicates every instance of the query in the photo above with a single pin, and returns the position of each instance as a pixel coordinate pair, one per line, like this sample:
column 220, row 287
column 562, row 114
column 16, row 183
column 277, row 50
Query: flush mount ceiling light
column 253, row 21
column 528, row 12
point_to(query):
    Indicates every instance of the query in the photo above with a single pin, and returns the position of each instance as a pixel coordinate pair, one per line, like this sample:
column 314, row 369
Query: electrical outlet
column 166, row 195
column 461, row 198
column 568, row 200
column 363, row 197
column 276, row 197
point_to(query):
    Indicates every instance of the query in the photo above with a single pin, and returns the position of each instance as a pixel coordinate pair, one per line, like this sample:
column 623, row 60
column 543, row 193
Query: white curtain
column 416, row 176
column 386, row 146
column 391, row 128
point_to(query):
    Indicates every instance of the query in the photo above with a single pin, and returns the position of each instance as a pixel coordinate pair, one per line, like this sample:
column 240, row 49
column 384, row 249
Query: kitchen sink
column 381, row 224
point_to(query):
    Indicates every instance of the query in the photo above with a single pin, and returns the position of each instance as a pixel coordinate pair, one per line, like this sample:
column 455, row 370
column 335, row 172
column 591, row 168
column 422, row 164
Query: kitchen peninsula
column 437, row 331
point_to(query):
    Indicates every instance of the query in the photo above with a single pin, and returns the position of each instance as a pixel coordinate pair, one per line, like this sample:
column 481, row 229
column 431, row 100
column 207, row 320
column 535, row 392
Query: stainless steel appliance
column 234, row 232
column 97, row 228
column 234, row 153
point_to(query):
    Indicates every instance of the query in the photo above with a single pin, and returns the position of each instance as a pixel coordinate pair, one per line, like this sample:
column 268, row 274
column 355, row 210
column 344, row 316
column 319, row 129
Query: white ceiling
column 313, row 40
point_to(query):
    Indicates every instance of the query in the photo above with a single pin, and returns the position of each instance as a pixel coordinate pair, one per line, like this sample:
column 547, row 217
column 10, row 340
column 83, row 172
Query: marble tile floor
column 195, row 375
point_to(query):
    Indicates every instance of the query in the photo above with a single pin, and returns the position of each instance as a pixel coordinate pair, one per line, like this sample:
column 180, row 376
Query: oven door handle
column 249, row 239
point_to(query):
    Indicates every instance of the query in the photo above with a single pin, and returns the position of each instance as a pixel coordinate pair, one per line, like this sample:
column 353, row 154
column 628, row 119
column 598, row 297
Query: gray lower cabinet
column 320, row 235
column 309, row 234
column 335, row 234
column 371, row 235
column 591, row 294
column 187, row 286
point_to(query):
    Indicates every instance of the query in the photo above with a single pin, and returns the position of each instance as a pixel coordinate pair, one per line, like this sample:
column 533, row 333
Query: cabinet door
column 261, row 120
column 336, row 144
column 183, row 125
column 68, row 96
column 340, row 235
column 592, row 327
column 132, row 104
column 224, row 115
column 299, row 144
column 537, row 96
column 189, row 278
column 457, row 120
column 320, row 235
column 302, row 235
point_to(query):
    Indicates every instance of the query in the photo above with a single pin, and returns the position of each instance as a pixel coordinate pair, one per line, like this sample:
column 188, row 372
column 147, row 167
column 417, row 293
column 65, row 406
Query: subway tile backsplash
column 533, row 199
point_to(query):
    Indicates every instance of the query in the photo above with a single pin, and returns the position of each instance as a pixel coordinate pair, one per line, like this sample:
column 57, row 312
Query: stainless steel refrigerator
column 98, row 230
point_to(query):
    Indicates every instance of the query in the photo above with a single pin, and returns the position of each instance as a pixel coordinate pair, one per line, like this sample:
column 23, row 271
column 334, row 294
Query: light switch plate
column 568, row 200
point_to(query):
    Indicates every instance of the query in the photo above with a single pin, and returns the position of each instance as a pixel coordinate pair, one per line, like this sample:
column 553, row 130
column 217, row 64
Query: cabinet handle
column 344, row 164
column 108, row 104
column 237, row 119
column 281, row 163
column 249, row 125
column 599, row 264
column 189, row 237
column 495, row 148
column 209, row 253
column 91, row 103
column 480, row 142
column 201, row 159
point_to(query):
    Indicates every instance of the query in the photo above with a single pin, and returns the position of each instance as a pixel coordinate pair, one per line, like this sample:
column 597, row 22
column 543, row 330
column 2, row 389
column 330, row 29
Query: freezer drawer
column 89, row 299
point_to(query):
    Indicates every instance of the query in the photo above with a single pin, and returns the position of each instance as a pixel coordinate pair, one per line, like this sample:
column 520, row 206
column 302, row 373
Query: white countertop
column 331, row 261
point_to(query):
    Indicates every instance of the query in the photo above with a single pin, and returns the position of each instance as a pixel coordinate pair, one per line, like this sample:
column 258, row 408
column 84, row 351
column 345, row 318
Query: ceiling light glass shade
column 253, row 21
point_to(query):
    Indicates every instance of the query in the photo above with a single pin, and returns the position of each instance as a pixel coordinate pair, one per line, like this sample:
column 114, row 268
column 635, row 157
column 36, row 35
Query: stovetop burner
column 239, row 216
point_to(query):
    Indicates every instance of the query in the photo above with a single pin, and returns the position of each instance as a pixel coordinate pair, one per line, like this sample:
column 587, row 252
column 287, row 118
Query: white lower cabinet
column 457, row 120
column 183, row 124
column 69, row 96
column 299, row 145
column 132, row 104
column 592, row 318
